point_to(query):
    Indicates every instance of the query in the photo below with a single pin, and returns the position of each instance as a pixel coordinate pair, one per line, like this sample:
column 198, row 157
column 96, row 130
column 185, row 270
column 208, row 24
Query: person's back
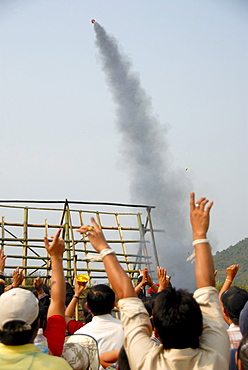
column 180, row 341
column 179, row 318
column 28, row 356
column 19, row 322
column 106, row 329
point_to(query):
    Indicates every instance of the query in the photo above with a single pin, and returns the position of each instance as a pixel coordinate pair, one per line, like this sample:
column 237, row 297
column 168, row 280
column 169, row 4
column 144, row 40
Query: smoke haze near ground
column 147, row 158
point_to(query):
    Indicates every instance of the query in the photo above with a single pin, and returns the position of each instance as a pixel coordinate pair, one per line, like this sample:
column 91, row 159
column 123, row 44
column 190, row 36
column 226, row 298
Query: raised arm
column 118, row 279
column 56, row 250
column 199, row 218
column 70, row 309
column 231, row 272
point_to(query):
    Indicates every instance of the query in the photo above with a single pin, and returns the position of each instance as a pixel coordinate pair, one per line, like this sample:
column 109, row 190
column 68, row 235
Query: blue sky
column 58, row 133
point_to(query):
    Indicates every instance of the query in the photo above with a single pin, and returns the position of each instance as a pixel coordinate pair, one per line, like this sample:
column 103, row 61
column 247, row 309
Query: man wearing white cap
column 19, row 323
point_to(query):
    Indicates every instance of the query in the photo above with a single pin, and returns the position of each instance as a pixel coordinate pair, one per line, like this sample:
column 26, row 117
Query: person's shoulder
column 54, row 362
column 207, row 292
column 115, row 320
column 84, row 329
column 130, row 301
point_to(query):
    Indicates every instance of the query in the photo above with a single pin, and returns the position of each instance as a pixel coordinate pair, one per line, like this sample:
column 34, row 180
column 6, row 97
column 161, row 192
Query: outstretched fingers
column 95, row 225
column 203, row 204
column 56, row 236
column 209, row 206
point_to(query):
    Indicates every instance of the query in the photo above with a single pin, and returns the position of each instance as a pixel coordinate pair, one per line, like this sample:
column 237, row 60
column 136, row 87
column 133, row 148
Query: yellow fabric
column 144, row 354
column 29, row 357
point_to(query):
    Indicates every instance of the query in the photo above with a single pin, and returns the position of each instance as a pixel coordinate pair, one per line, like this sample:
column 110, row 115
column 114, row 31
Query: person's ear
column 226, row 317
column 156, row 333
column 35, row 330
column 225, row 312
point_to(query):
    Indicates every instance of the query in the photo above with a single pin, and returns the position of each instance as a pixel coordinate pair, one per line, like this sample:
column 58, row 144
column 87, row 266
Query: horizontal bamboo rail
column 23, row 243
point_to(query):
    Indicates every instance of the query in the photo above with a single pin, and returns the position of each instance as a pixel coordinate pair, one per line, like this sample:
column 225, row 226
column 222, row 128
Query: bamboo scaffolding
column 28, row 248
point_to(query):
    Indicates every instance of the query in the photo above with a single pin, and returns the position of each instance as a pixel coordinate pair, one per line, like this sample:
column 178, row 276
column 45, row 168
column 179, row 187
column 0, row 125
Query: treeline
column 235, row 254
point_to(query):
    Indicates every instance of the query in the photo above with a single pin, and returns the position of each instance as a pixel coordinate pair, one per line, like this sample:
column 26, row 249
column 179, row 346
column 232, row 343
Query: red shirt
column 55, row 334
column 73, row 326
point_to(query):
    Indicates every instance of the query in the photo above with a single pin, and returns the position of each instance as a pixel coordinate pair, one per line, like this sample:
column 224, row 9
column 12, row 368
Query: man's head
column 233, row 301
column 100, row 299
column 242, row 360
column 177, row 319
column 18, row 317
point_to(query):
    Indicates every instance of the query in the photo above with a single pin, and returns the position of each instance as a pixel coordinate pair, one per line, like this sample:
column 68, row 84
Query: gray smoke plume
column 148, row 159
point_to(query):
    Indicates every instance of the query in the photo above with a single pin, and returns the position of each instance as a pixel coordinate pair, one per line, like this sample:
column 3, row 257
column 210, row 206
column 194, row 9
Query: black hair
column 226, row 305
column 149, row 303
column 69, row 293
column 87, row 314
column 177, row 319
column 44, row 304
column 101, row 299
column 13, row 333
column 234, row 319
column 243, row 351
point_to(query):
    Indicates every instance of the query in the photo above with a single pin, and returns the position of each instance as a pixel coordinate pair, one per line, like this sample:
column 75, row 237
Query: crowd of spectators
column 162, row 328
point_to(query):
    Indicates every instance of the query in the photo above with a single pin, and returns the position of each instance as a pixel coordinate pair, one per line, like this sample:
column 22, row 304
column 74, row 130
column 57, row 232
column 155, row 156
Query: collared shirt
column 29, row 357
column 235, row 335
column 106, row 330
column 142, row 353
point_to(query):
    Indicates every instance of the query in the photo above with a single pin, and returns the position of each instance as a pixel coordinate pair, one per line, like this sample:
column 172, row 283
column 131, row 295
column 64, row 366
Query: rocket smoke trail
column 146, row 153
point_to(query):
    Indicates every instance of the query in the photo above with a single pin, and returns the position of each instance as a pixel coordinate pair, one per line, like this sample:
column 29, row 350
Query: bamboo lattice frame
column 131, row 234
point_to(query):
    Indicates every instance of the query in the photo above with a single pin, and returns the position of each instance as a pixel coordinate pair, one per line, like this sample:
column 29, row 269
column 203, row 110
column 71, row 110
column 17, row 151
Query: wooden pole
column 25, row 237
column 2, row 242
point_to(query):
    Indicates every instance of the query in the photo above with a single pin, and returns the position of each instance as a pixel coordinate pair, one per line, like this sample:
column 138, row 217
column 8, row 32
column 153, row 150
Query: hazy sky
column 58, row 121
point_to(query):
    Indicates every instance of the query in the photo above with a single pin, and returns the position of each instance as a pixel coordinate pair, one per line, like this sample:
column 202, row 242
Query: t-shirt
column 55, row 334
column 144, row 354
column 106, row 330
column 74, row 325
column 235, row 335
column 29, row 357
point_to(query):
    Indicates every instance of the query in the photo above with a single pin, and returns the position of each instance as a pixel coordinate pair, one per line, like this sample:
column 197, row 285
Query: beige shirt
column 214, row 349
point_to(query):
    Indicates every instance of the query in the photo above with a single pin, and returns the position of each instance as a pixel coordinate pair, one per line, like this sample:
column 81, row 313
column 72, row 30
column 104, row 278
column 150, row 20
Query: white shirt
column 106, row 330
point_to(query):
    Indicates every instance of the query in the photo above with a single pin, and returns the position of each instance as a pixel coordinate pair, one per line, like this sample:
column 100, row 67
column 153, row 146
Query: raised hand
column 95, row 235
column 199, row 216
column 79, row 288
column 57, row 247
column 18, row 277
column 2, row 261
column 163, row 279
column 231, row 271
